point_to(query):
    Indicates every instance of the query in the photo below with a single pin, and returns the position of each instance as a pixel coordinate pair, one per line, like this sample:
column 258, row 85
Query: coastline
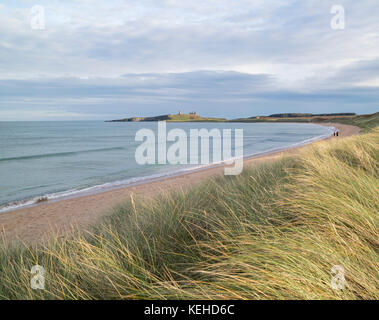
column 133, row 181
column 35, row 223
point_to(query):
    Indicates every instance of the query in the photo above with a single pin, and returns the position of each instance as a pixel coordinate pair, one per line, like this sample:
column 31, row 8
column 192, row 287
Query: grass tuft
column 273, row 232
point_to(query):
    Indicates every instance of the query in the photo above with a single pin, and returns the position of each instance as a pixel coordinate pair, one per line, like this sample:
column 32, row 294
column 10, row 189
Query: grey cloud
column 211, row 93
column 221, row 36
column 357, row 72
column 143, row 57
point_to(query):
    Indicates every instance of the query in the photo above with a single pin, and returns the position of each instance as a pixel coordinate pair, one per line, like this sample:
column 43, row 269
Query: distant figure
column 334, row 133
column 337, row 133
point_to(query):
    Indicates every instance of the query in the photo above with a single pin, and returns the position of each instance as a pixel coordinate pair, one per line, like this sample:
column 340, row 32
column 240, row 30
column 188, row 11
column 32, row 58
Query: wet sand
column 34, row 224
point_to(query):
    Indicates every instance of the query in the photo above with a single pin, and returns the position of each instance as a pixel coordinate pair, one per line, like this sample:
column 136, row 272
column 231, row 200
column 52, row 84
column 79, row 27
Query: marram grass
column 273, row 232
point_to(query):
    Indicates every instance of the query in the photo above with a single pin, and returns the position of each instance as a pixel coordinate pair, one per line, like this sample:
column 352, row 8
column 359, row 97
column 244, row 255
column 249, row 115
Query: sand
column 35, row 224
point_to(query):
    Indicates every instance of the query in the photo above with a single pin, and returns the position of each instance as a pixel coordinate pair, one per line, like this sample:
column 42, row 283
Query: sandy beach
column 36, row 223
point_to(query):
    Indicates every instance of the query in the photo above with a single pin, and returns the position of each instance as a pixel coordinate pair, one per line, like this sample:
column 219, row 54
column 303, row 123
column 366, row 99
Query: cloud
column 144, row 55
column 213, row 93
column 100, row 38
column 357, row 73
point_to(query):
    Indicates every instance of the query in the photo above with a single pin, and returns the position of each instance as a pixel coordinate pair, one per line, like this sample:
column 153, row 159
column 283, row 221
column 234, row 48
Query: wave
column 59, row 154
column 142, row 179
column 92, row 190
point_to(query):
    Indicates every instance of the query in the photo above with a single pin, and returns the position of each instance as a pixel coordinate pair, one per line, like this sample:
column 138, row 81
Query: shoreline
column 135, row 181
column 35, row 222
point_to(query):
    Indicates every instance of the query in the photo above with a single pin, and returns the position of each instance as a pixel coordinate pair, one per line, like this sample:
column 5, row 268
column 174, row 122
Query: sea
column 53, row 160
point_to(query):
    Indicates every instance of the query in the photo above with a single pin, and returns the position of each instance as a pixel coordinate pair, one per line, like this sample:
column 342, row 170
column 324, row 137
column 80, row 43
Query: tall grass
column 273, row 232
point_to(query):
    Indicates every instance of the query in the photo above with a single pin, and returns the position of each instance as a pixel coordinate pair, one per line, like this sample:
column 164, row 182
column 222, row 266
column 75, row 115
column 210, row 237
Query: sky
column 99, row 60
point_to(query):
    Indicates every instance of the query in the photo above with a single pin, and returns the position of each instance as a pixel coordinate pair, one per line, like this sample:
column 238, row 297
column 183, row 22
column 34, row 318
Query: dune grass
column 365, row 122
column 273, row 232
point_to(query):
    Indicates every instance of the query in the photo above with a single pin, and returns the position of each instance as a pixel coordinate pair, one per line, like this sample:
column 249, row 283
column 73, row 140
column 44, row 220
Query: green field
column 192, row 118
column 273, row 232
column 365, row 122
column 186, row 117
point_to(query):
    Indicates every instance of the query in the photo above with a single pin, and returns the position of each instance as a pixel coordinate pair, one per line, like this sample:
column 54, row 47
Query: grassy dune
column 273, row 232
column 365, row 122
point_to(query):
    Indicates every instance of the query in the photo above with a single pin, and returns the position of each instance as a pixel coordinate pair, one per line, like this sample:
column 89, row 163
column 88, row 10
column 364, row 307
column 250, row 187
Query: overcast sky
column 229, row 58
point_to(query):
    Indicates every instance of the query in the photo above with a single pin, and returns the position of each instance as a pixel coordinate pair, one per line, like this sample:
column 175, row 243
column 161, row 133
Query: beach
column 36, row 223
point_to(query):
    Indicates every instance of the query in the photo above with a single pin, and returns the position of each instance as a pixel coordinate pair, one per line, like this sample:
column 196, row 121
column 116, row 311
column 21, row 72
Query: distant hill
column 138, row 119
column 306, row 115
column 363, row 121
column 297, row 117
column 190, row 117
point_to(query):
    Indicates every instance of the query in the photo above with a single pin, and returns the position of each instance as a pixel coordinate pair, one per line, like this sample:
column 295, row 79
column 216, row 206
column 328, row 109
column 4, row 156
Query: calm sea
column 61, row 159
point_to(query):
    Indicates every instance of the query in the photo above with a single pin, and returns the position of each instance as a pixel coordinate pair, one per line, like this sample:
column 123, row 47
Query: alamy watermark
column 338, row 20
column 153, row 150
column 338, row 277
column 37, row 282
column 37, row 18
